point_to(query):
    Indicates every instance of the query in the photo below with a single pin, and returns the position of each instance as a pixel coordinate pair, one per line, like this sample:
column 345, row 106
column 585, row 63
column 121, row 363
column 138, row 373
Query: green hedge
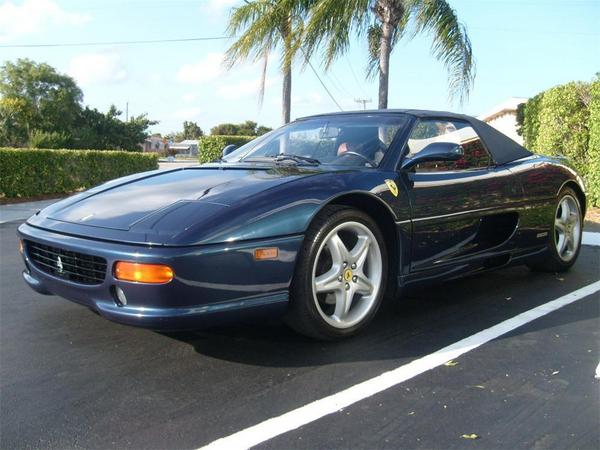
column 593, row 175
column 212, row 146
column 32, row 172
column 565, row 120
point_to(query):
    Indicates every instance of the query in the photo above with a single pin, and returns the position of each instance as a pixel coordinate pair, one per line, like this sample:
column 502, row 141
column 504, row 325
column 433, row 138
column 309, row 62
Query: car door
column 458, row 208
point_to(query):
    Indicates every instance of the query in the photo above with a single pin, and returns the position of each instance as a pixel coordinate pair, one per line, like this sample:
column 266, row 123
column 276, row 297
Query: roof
column 188, row 142
column 507, row 106
column 502, row 148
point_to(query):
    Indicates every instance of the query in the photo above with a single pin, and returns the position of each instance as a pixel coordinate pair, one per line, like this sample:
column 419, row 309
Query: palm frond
column 374, row 42
column 450, row 45
column 263, row 79
column 256, row 25
column 332, row 23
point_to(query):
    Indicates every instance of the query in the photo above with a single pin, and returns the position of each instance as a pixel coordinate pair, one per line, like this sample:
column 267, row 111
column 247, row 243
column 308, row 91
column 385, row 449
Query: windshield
column 359, row 141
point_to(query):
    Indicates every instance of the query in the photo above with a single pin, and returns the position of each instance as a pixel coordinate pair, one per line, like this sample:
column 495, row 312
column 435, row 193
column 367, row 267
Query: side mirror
column 228, row 149
column 436, row 151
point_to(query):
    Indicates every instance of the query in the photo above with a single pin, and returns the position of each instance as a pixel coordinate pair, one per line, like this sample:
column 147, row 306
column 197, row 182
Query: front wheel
column 564, row 241
column 340, row 277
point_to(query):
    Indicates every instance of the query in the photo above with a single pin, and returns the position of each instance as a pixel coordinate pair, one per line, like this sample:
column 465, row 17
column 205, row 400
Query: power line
column 90, row 44
column 216, row 38
column 337, row 84
column 358, row 84
column 323, row 84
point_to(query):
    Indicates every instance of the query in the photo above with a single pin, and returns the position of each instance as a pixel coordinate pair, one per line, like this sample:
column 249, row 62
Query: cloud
column 97, row 68
column 312, row 98
column 207, row 69
column 33, row 16
column 241, row 89
column 154, row 77
column 218, row 6
column 188, row 113
column 190, row 97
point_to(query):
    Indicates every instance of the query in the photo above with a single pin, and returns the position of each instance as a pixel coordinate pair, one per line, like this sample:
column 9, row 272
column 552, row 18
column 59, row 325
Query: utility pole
column 363, row 101
column 127, row 112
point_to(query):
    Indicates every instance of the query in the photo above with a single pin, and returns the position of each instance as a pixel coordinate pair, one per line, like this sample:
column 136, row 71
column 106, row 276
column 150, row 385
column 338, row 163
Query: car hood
column 155, row 206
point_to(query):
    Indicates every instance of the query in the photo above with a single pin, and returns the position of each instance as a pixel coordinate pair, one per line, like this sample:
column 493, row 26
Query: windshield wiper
column 284, row 157
column 298, row 158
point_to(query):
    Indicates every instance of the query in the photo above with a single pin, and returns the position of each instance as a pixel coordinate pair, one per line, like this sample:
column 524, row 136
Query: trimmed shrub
column 565, row 120
column 212, row 146
column 593, row 176
column 30, row 172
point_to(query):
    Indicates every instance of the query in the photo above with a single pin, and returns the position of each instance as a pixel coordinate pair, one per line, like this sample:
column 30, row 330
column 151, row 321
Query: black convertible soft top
column 502, row 148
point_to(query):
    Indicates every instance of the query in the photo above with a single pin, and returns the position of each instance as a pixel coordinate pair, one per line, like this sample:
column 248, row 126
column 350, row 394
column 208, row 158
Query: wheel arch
column 578, row 191
column 384, row 217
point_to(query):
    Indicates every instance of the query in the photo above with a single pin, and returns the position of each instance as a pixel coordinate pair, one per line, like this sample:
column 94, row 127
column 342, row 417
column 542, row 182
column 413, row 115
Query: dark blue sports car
column 317, row 221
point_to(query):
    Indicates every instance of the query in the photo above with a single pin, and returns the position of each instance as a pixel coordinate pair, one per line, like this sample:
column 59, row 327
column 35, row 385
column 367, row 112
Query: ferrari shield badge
column 392, row 187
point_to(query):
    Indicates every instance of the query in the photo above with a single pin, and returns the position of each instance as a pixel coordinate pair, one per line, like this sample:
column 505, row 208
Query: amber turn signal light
column 266, row 253
column 21, row 247
column 143, row 273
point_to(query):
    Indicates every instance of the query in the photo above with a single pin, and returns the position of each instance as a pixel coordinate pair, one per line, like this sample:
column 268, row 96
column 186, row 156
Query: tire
column 340, row 276
column 564, row 240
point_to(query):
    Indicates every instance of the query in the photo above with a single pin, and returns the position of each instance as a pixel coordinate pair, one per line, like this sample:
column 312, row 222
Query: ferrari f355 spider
column 316, row 221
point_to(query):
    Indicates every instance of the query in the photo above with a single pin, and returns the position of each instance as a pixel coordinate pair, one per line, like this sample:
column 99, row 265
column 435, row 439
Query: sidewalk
column 22, row 211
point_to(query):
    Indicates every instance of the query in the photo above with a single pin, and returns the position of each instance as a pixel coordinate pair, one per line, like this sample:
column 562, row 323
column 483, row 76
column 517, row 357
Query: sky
column 521, row 47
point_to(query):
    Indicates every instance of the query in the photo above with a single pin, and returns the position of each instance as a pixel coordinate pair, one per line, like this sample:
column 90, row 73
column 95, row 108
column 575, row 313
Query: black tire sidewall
column 555, row 263
column 304, row 315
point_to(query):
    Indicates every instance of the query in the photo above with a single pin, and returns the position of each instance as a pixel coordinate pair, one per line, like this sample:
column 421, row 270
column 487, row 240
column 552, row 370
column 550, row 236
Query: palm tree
column 384, row 23
column 261, row 26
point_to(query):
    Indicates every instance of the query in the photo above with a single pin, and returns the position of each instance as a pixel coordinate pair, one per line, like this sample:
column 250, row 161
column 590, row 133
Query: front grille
column 72, row 266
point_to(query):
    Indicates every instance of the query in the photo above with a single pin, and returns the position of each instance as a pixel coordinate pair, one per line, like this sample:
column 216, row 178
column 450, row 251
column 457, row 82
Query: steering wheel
column 363, row 157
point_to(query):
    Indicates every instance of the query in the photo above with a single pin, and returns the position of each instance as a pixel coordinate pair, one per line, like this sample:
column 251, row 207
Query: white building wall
column 507, row 124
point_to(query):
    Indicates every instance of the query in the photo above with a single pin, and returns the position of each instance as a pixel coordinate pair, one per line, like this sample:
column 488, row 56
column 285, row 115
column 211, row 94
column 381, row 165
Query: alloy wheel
column 567, row 228
column 347, row 275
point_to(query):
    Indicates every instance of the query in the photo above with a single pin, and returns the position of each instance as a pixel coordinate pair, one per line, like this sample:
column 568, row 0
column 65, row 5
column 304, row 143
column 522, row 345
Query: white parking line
column 590, row 238
column 309, row 413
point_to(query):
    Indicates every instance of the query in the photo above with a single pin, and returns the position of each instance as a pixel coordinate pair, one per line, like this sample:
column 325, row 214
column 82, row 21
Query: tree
column 105, row 131
column 384, row 22
column 247, row 128
column 225, row 129
column 261, row 129
column 36, row 97
column 261, row 26
column 191, row 130
column 43, row 108
column 48, row 101
column 15, row 117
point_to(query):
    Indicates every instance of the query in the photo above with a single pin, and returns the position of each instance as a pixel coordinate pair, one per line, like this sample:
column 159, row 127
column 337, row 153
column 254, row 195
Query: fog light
column 143, row 273
column 121, row 298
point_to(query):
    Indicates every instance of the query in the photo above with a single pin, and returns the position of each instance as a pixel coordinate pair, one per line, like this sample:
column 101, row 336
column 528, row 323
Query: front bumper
column 212, row 284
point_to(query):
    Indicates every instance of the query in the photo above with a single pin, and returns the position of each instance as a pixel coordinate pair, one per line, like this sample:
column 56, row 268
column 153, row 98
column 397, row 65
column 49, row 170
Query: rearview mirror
column 436, row 151
column 329, row 132
column 228, row 149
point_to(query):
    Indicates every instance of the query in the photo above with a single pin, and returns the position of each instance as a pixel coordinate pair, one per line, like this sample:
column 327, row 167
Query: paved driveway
column 70, row 379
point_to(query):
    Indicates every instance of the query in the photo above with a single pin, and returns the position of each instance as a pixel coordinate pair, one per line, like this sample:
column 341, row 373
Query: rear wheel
column 564, row 242
column 340, row 277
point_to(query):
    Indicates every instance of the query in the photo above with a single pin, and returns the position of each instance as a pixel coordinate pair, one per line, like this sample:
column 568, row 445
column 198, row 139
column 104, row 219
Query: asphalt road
column 70, row 379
